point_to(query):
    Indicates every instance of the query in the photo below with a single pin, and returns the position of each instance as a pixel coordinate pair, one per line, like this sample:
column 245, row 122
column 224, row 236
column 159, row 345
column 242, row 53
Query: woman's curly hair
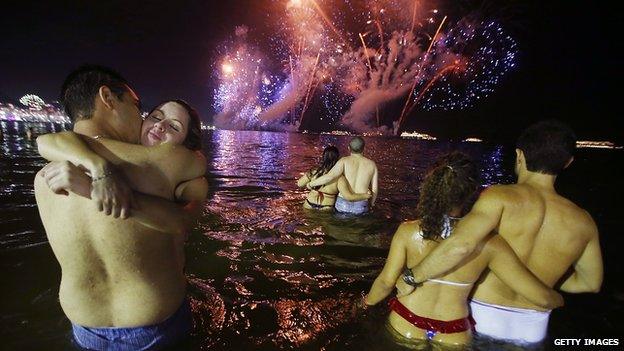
column 449, row 183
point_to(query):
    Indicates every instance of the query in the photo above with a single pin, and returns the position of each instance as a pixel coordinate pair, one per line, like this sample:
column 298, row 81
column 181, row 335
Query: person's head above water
column 172, row 121
column 447, row 186
column 101, row 95
column 545, row 147
column 356, row 145
column 328, row 160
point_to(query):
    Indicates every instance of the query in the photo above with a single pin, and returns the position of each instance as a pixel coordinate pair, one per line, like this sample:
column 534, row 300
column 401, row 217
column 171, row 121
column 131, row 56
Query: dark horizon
column 567, row 68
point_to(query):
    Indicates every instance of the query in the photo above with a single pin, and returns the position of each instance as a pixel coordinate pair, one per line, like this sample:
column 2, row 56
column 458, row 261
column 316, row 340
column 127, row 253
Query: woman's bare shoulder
column 407, row 229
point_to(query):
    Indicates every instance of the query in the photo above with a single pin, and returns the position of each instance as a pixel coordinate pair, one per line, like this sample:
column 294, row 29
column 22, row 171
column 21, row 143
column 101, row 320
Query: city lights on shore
column 419, row 136
column 35, row 113
column 336, row 132
column 581, row 144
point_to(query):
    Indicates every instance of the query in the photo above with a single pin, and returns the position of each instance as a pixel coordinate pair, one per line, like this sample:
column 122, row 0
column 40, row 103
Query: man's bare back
column 359, row 172
column 115, row 272
column 548, row 232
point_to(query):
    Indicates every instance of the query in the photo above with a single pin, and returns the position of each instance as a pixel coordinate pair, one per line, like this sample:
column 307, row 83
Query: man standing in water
column 549, row 233
column 122, row 284
column 361, row 173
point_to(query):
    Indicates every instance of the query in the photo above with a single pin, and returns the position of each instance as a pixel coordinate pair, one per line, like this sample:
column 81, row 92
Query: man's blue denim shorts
column 153, row 337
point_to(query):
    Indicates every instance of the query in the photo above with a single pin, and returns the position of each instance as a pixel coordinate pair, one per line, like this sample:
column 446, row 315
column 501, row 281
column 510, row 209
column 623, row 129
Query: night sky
column 569, row 64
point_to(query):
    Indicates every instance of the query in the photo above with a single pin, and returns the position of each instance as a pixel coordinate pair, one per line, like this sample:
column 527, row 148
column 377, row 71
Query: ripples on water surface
column 266, row 274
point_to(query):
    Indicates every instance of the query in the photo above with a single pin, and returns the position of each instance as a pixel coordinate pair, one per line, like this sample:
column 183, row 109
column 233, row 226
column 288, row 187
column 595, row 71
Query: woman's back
column 440, row 300
column 444, row 299
column 322, row 198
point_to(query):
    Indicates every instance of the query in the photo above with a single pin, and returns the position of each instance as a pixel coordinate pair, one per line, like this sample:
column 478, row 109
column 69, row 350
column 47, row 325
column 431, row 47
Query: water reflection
column 263, row 272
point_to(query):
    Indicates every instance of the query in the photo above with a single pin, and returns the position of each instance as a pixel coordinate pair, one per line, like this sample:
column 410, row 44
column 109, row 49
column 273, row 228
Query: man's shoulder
column 578, row 216
column 368, row 162
column 497, row 192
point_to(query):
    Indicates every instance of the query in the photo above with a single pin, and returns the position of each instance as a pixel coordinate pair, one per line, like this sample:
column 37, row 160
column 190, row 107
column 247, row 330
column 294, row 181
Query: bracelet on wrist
column 408, row 277
column 104, row 175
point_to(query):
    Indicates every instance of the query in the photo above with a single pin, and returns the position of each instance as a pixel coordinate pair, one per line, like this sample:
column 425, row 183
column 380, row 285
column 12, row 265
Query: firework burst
column 403, row 52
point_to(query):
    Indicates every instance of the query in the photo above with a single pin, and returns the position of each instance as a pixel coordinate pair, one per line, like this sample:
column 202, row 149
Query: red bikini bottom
column 432, row 325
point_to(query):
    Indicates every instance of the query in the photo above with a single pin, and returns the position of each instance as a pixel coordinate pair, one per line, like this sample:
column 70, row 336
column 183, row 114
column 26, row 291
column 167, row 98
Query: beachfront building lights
column 46, row 113
column 420, row 136
column 597, row 145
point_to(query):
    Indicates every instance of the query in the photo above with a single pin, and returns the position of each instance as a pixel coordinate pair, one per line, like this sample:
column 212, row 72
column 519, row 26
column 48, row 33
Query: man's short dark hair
column 547, row 146
column 82, row 86
column 356, row 145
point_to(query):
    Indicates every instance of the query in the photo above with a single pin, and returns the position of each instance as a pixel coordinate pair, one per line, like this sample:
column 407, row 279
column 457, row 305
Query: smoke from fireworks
column 404, row 52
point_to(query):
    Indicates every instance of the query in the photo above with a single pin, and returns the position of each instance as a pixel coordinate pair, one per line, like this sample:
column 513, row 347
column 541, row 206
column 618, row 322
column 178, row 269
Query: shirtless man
column 554, row 238
column 361, row 173
column 122, row 284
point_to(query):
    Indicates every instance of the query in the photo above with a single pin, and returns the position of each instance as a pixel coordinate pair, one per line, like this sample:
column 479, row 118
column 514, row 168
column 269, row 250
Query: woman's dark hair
column 449, row 183
column 193, row 136
column 329, row 159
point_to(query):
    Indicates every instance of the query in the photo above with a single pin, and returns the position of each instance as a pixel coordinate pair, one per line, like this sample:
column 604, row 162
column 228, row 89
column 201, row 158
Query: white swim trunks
column 516, row 325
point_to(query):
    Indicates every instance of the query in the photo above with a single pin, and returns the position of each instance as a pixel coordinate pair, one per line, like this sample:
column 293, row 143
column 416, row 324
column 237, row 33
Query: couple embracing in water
column 493, row 270
column 116, row 202
column 348, row 184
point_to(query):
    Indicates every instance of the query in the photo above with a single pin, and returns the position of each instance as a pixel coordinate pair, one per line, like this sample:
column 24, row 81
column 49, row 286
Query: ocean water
column 264, row 274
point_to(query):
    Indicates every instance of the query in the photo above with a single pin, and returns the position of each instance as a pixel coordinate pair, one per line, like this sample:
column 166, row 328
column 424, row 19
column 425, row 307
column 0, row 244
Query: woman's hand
column 360, row 306
column 62, row 177
column 111, row 194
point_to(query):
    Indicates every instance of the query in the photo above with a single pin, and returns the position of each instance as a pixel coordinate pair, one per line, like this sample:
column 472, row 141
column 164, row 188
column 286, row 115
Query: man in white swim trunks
column 361, row 173
column 557, row 240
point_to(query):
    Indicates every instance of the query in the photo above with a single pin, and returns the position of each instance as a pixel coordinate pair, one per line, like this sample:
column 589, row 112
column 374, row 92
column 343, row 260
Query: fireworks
column 403, row 52
column 245, row 87
column 487, row 54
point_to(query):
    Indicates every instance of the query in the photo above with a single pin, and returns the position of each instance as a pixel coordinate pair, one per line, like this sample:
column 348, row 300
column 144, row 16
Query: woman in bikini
column 324, row 197
column 172, row 123
column 437, row 310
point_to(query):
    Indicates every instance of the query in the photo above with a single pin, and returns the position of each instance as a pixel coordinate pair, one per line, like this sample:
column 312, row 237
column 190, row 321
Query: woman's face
column 168, row 123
